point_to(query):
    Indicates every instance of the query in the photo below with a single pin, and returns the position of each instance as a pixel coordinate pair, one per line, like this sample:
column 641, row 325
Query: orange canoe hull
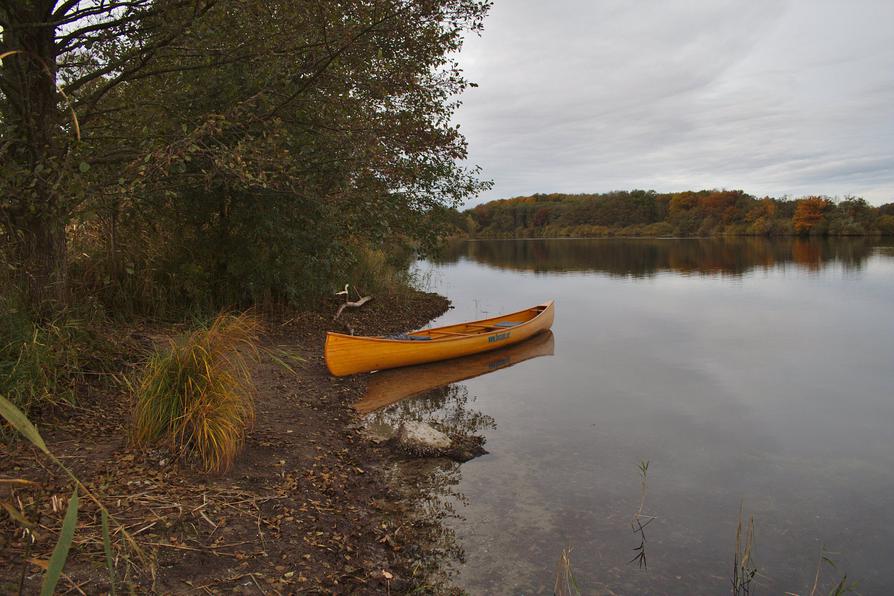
column 349, row 354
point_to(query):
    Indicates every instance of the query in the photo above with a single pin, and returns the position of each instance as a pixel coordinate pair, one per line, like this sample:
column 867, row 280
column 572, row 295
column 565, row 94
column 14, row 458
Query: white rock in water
column 421, row 439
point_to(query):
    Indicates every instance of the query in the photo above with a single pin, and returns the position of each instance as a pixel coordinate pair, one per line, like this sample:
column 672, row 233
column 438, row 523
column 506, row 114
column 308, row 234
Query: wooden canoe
column 391, row 386
column 350, row 354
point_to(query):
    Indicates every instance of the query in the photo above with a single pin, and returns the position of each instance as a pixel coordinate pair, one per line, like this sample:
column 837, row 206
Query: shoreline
column 310, row 504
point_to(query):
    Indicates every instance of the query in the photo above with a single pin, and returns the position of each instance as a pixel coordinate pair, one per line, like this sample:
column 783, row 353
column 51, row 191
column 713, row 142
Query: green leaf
column 84, row 167
column 60, row 553
column 107, row 546
column 21, row 423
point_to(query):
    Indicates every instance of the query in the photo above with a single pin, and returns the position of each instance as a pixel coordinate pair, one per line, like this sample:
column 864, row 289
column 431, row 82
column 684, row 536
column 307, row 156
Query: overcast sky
column 769, row 96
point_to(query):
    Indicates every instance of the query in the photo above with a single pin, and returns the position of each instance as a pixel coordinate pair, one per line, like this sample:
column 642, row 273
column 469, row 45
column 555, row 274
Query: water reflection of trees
column 648, row 256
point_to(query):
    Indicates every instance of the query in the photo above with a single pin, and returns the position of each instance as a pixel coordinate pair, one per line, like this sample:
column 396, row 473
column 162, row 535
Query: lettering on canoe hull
column 498, row 337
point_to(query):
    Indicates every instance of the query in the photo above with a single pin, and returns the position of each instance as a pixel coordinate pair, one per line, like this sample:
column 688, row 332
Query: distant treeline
column 691, row 213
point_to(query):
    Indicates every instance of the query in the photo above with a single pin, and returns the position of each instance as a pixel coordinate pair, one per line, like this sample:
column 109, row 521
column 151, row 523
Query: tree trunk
column 33, row 215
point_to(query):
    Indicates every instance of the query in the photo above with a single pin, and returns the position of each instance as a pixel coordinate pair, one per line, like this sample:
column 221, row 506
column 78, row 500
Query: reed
column 382, row 272
column 565, row 584
column 639, row 521
column 841, row 587
column 197, row 396
column 744, row 568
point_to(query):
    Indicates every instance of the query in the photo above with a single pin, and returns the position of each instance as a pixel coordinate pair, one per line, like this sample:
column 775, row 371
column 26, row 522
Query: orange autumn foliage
column 809, row 213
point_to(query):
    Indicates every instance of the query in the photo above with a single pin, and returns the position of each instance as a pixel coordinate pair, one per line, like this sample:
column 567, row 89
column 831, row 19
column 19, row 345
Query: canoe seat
column 507, row 324
column 404, row 336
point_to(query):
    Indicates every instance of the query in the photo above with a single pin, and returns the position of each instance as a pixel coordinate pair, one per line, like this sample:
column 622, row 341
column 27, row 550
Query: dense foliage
column 163, row 154
column 647, row 213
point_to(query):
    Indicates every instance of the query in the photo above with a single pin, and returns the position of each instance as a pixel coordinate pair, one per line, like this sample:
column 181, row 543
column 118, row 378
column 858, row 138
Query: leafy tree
column 61, row 58
column 809, row 214
column 235, row 148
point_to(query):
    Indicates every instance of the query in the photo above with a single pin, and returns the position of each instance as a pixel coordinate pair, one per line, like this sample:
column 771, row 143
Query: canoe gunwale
column 543, row 310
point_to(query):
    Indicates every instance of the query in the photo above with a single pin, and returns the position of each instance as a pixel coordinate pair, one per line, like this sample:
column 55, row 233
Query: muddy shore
column 310, row 505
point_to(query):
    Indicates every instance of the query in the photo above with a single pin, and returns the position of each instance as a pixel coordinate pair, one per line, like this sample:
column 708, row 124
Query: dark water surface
column 746, row 371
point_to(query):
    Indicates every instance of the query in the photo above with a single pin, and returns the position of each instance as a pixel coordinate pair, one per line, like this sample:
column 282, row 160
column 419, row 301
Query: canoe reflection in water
column 390, row 386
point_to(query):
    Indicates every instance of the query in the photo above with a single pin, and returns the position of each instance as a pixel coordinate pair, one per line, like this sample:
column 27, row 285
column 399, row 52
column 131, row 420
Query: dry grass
column 565, row 584
column 198, row 396
column 44, row 362
column 380, row 272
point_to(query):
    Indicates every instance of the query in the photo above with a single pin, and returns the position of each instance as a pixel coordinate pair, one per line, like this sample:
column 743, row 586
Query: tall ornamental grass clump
column 197, row 396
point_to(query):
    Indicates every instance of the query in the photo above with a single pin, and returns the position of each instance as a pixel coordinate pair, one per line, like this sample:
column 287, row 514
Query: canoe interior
column 474, row 328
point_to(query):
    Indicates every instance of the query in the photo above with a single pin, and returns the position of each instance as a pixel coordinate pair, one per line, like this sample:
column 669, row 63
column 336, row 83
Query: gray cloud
column 769, row 96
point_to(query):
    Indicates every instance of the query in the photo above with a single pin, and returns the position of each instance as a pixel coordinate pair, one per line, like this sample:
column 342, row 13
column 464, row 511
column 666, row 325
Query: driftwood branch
column 355, row 304
column 361, row 300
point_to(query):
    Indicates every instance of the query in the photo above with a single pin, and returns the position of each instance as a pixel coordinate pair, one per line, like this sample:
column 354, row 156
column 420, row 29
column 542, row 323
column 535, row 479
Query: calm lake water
column 747, row 372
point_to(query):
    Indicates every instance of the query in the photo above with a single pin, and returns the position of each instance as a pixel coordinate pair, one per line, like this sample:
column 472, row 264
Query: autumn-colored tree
column 683, row 203
column 541, row 217
column 721, row 204
column 701, row 213
column 809, row 213
column 763, row 209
